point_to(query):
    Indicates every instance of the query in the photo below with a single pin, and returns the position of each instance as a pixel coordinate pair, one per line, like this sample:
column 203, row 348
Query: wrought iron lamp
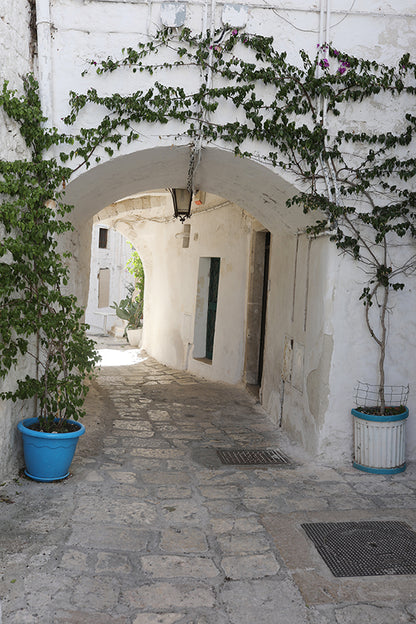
column 182, row 202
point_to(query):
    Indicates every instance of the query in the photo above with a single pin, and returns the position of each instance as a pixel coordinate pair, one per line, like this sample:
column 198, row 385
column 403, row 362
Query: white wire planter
column 379, row 440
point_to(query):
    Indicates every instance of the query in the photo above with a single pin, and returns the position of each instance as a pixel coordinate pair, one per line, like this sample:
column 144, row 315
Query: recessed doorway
column 206, row 308
column 257, row 309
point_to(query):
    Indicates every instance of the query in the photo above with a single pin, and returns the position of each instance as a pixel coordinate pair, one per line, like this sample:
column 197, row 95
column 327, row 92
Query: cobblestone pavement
column 151, row 528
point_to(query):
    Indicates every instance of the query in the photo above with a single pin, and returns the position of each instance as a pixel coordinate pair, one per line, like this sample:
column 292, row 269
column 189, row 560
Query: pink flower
column 343, row 67
column 235, row 32
column 324, row 63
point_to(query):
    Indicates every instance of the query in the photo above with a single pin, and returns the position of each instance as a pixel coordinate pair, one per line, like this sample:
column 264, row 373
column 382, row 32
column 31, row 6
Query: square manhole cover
column 252, row 457
column 365, row 548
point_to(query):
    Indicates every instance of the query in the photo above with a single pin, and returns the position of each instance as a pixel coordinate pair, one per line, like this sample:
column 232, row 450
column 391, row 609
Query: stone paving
column 150, row 527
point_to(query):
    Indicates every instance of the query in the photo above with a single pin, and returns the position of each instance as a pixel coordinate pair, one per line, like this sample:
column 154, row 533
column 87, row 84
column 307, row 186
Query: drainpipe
column 324, row 19
column 149, row 18
column 43, row 25
column 327, row 12
column 205, row 17
column 328, row 19
column 327, row 35
column 211, row 51
column 321, row 22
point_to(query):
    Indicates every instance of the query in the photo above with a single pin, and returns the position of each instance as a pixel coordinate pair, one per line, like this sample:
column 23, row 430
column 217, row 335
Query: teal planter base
column 48, row 456
column 383, row 471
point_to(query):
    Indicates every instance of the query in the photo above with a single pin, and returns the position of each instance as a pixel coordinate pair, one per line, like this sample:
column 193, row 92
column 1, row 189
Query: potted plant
column 45, row 356
column 58, row 388
column 130, row 309
column 379, row 434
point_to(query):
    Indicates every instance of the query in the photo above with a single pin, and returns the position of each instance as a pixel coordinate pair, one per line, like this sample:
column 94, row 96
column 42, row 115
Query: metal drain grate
column 250, row 457
column 365, row 548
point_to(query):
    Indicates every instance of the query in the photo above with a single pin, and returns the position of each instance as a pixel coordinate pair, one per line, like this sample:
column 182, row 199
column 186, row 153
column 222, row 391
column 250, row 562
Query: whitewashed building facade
column 109, row 277
column 287, row 316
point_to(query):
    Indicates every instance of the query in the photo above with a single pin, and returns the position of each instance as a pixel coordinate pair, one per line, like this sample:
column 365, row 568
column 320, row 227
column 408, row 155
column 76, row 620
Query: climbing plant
column 357, row 177
column 38, row 319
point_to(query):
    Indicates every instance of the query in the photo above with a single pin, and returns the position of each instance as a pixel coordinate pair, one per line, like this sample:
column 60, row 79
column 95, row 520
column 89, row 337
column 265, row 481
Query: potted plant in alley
column 45, row 356
column 379, row 433
column 130, row 309
column 62, row 362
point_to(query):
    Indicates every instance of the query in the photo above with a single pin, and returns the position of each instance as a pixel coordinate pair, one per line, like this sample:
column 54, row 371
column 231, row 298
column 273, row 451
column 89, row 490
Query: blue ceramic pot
column 48, row 456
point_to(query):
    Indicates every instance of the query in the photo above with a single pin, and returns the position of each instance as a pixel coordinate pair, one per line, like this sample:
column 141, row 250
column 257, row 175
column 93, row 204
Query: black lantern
column 182, row 202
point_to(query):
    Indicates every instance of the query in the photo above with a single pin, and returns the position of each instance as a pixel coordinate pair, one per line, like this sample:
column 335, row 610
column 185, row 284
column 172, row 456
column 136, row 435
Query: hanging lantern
column 182, row 202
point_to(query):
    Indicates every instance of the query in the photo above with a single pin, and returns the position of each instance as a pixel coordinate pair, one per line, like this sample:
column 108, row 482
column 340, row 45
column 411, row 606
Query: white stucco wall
column 298, row 352
column 314, row 302
column 355, row 355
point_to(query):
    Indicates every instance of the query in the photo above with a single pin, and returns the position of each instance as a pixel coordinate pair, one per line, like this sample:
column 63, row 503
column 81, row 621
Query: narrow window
column 102, row 238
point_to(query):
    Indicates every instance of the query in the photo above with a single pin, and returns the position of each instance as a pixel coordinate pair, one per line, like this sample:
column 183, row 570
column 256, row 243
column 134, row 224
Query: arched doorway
column 250, row 200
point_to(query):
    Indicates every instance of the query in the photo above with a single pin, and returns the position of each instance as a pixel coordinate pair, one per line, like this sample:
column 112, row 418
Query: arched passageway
column 246, row 208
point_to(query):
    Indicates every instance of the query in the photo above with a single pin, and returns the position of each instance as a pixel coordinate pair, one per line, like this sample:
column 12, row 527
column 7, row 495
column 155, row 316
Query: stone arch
column 255, row 187
column 297, row 272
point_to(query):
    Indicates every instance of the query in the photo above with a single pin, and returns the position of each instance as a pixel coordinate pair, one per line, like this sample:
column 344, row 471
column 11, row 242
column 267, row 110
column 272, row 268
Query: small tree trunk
column 381, row 339
column 35, row 411
column 382, row 345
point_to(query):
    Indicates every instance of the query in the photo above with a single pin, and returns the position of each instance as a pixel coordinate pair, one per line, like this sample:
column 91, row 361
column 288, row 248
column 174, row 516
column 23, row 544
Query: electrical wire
column 306, row 30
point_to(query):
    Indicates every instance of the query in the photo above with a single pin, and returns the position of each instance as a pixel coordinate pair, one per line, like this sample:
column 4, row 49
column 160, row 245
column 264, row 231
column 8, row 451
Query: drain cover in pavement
column 365, row 548
column 247, row 457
